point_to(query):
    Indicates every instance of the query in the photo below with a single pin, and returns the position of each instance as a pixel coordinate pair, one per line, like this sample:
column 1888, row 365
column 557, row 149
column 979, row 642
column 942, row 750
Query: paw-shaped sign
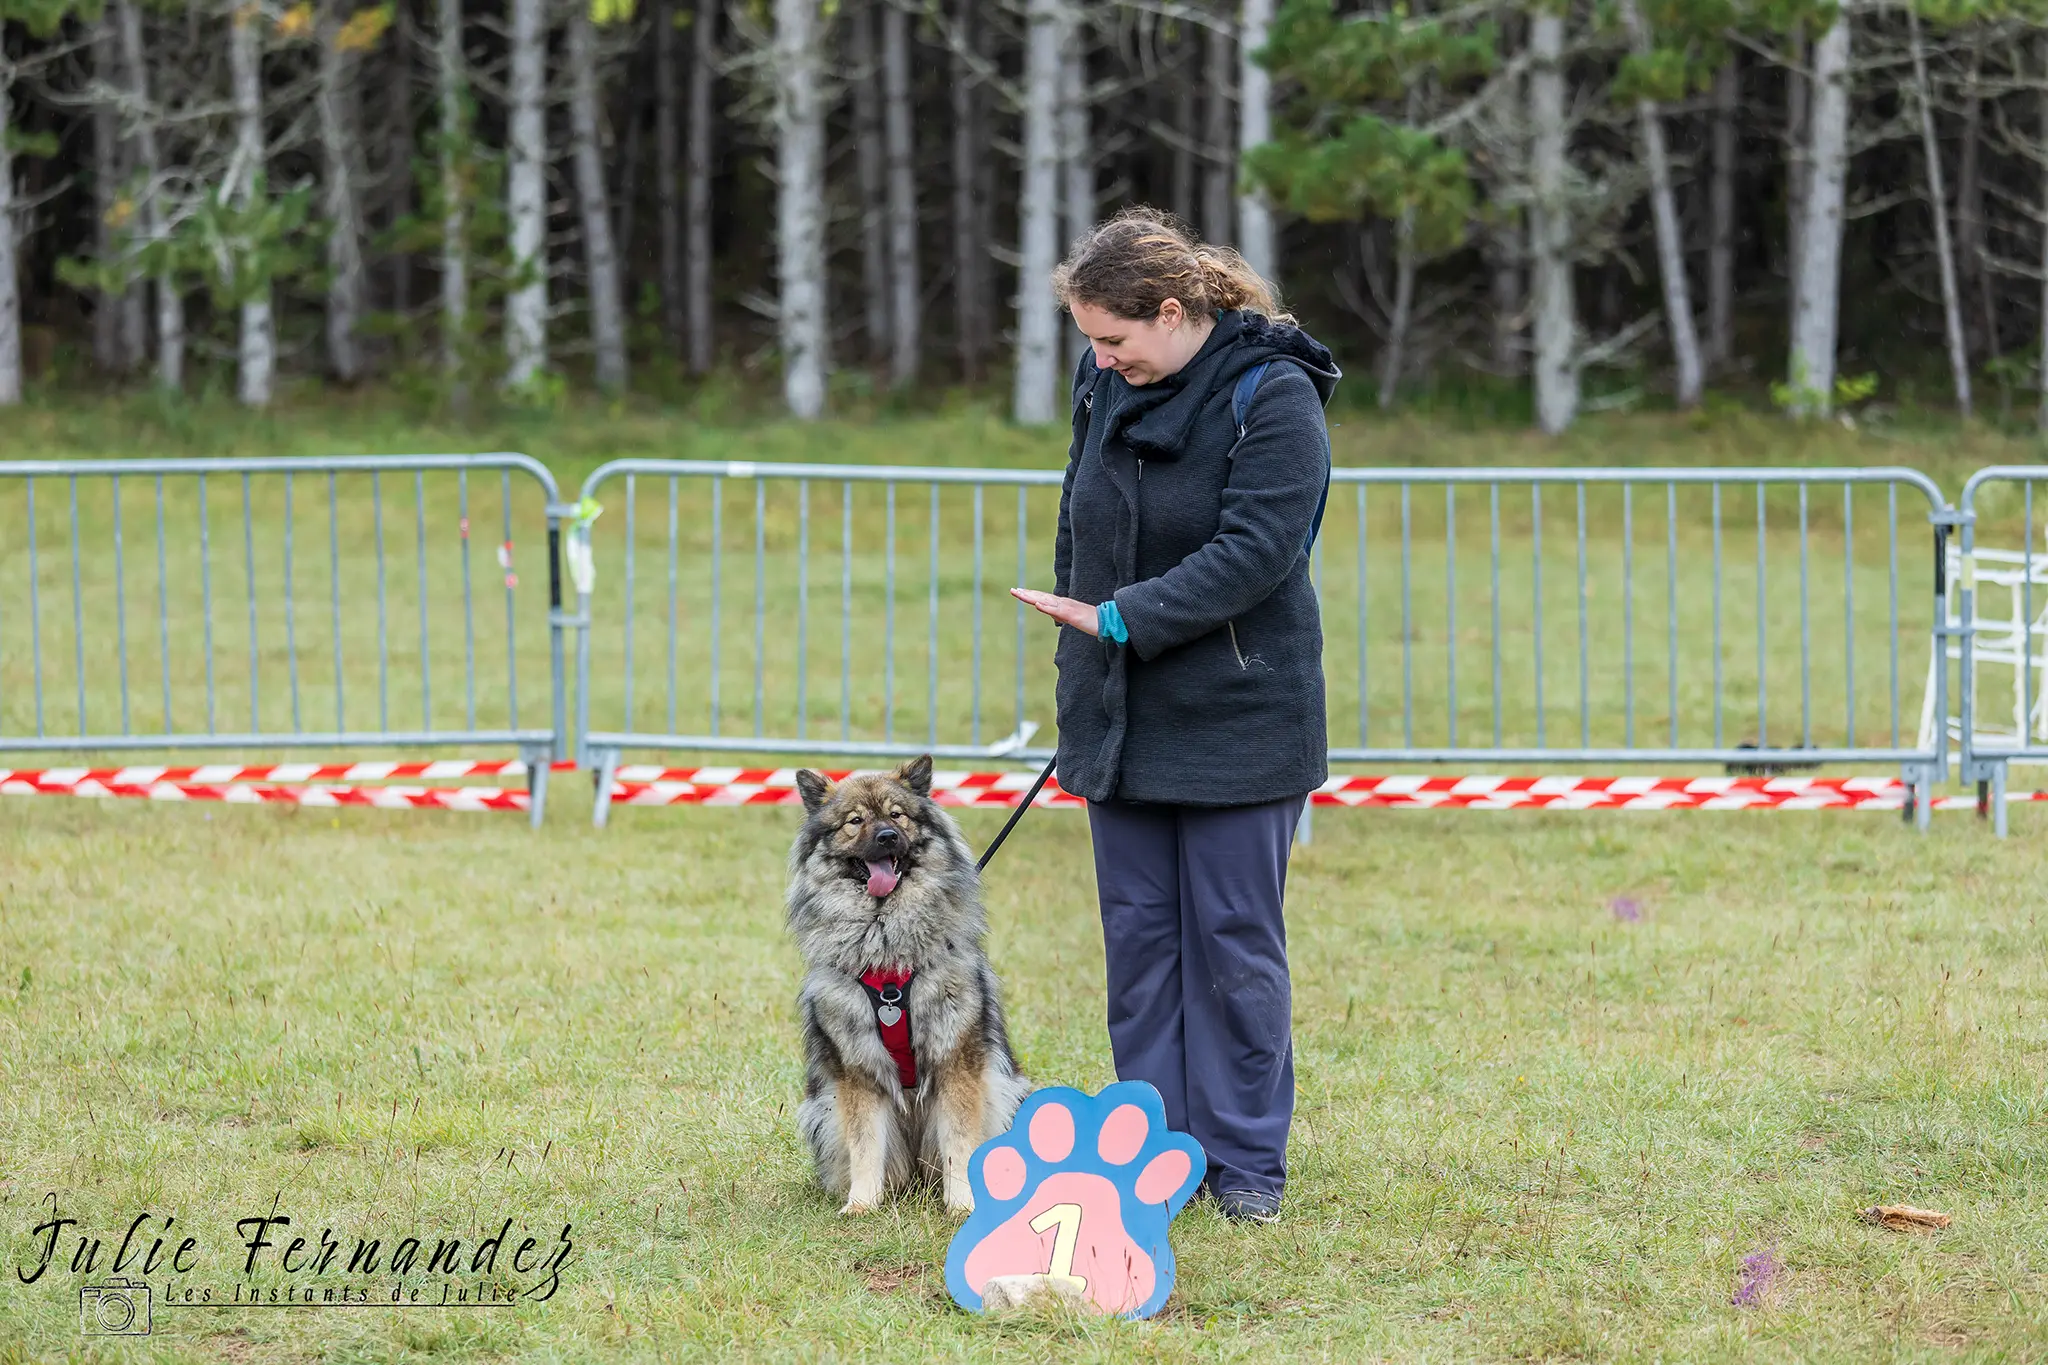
column 1075, row 1200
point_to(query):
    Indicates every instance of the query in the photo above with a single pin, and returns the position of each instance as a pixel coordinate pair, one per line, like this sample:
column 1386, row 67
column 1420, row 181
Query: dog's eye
column 852, row 820
column 895, row 814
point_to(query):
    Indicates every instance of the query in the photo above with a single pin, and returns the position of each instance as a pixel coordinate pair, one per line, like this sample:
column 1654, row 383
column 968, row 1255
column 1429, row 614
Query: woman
column 1190, row 670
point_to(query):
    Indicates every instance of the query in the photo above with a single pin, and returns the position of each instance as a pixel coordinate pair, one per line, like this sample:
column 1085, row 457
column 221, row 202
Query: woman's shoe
column 1249, row 1206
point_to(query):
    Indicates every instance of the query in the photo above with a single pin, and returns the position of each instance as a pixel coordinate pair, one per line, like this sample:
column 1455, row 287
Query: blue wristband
column 1109, row 623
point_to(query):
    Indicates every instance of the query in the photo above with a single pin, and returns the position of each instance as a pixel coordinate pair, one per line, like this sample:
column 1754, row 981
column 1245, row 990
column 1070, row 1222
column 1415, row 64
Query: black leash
column 1018, row 814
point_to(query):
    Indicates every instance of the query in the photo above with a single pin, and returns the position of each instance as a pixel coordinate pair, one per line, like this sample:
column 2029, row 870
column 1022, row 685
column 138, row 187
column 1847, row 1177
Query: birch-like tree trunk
column 1037, row 375
column 1798, row 117
column 1393, row 358
column 526, row 194
column 970, row 248
column 341, row 201
column 1504, row 290
column 800, row 203
column 401, row 130
column 2041, row 131
column 1972, row 270
column 1678, row 319
column 170, row 304
column 1219, row 161
column 258, row 351
column 600, row 258
column 871, row 164
column 1937, row 201
column 668, row 147
column 697, row 188
column 1256, row 240
column 1077, row 155
column 1550, row 228
column 1721, row 216
column 1816, row 306
column 119, row 328
column 906, row 289
column 1181, row 182
column 10, row 286
column 452, row 82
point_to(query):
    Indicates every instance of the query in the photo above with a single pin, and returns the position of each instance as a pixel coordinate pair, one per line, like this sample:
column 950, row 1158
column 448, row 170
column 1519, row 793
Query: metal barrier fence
column 265, row 611
column 1607, row 622
column 1999, row 500
column 847, row 542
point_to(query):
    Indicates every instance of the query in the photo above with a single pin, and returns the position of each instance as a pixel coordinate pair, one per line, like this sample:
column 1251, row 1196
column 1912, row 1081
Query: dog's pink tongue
column 881, row 877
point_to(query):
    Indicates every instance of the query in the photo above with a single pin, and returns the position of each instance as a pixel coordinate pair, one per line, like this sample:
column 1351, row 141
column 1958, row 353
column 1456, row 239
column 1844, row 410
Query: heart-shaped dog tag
column 888, row 1015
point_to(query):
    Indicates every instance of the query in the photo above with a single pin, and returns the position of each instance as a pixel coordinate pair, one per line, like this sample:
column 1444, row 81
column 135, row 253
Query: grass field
column 1530, row 1126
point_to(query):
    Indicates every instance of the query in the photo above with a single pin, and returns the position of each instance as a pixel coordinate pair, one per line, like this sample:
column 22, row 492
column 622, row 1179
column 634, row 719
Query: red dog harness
column 889, row 992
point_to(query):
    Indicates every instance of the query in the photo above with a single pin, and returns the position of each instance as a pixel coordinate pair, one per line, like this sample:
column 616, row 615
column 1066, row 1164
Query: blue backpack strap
column 1240, row 407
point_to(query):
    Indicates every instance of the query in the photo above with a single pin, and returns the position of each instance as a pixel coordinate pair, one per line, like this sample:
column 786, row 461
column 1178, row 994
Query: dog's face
column 875, row 828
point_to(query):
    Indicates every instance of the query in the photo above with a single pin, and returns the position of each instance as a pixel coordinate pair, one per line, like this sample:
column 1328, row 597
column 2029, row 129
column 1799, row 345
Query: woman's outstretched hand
column 1064, row 610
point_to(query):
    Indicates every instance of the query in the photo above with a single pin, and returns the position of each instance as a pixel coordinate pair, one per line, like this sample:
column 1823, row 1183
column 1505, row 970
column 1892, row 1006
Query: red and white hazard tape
column 726, row 786
column 312, row 784
column 218, row 773
column 257, row 793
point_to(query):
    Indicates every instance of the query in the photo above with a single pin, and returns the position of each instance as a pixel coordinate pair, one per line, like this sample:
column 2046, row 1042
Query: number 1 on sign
column 1067, row 1219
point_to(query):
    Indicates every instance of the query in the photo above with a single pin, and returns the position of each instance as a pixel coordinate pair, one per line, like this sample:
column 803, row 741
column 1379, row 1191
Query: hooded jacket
column 1215, row 698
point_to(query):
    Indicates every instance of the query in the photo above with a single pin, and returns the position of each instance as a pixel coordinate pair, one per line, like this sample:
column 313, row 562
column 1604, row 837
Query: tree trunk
column 1937, row 201
column 668, row 204
column 697, row 191
column 970, row 249
column 1678, row 320
column 258, row 351
column 1798, row 115
column 1255, row 233
column 170, row 304
column 1181, row 185
column 800, row 203
column 906, row 289
column 1817, row 285
column 871, row 162
column 626, row 218
column 1721, row 216
column 399, row 157
column 2041, row 132
column 1550, row 229
column 1972, row 270
column 10, row 289
column 601, row 262
column 1219, row 161
column 1505, row 291
column 1393, row 356
column 1077, row 157
column 526, row 185
column 341, row 203
column 119, row 330
column 1037, row 377
column 453, row 81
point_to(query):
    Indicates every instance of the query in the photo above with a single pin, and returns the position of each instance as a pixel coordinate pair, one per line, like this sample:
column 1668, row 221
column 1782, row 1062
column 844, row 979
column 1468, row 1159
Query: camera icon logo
column 117, row 1308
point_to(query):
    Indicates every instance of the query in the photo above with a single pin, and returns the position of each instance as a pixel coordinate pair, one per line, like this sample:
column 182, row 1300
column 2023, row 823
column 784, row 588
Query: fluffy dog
column 907, row 1061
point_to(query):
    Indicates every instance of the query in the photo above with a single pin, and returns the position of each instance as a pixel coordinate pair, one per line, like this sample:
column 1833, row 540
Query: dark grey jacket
column 1216, row 699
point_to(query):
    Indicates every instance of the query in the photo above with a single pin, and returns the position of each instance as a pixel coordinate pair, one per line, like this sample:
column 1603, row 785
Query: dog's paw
column 1078, row 1194
column 854, row 1208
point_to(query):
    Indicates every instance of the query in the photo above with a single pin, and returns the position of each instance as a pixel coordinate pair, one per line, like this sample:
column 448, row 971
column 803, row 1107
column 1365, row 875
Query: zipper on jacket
column 1231, row 626
column 1141, row 471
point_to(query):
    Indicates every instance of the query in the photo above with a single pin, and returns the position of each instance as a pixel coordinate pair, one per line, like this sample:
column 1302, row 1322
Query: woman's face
column 1142, row 351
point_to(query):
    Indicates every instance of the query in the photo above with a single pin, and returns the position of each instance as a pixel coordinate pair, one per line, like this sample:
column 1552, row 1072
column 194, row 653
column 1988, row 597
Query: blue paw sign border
column 1078, row 1193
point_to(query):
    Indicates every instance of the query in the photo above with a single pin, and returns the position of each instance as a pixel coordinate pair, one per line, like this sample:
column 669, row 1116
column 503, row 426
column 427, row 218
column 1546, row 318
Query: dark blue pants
column 1199, row 1001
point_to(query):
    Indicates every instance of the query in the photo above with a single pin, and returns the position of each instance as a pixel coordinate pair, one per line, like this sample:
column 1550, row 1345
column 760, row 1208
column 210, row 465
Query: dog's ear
column 917, row 775
column 814, row 788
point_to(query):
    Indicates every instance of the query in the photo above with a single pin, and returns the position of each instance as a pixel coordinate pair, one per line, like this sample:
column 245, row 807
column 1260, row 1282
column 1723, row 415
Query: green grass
column 1526, row 1129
